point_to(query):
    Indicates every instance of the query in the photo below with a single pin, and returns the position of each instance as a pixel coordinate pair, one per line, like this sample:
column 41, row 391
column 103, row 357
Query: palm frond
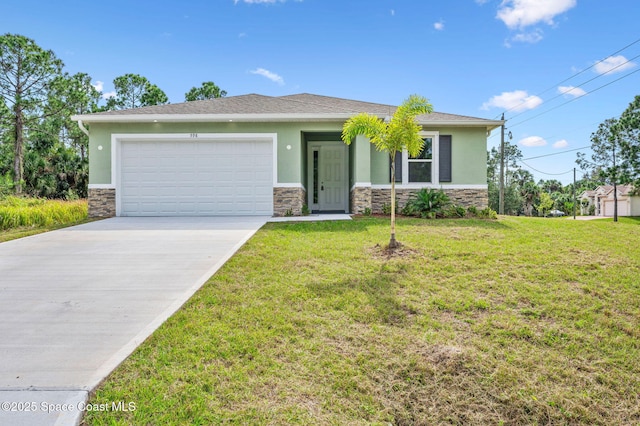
column 368, row 125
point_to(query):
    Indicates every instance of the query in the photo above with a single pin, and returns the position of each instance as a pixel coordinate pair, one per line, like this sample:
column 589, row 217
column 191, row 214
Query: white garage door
column 196, row 178
column 623, row 208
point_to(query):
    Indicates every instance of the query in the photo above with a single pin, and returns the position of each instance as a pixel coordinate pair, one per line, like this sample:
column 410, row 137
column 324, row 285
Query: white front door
column 328, row 173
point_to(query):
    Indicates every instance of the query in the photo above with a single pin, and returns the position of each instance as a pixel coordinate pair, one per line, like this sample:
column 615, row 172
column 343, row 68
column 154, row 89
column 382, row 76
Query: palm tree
column 399, row 133
column 529, row 192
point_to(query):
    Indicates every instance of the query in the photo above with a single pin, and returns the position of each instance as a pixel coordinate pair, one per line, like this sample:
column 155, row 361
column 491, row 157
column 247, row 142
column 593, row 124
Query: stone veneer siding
column 360, row 199
column 102, row 202
column 288, row 200
column 462, row 197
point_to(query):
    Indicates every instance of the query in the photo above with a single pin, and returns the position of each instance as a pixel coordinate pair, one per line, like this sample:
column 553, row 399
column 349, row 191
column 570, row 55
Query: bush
column 487, row 213
column 454, row 211
column 426, row 203
column 6, row 185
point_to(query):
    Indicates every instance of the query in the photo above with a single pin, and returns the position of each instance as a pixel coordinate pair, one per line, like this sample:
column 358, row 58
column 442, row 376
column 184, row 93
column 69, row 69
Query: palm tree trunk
column 392, row 242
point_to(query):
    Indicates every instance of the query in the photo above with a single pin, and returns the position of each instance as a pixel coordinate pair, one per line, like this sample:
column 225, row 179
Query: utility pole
column 574, row 194
column 501, row 198
column 615, row 186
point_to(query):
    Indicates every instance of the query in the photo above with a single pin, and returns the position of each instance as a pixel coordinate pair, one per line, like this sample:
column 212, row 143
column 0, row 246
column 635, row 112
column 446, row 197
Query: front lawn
column 515, row 321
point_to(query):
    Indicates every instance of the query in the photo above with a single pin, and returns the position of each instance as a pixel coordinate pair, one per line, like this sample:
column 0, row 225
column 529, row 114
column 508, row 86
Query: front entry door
column 329, row 177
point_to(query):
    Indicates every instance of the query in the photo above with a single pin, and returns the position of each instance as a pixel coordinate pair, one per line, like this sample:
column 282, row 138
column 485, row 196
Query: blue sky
column 469, row 57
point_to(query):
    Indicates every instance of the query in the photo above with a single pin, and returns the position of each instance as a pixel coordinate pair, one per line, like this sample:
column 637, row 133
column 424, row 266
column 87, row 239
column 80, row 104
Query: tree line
column 522, row 194
column 42, row 152
column 615, row 158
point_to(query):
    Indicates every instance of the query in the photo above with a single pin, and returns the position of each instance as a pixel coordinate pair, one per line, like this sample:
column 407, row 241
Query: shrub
column 6, row 185
column 472, row 210
column 367, row 211
column 487, row 213
column 568, row 207
column 386, row 209
column 426, row 203
column 454, row 211
column 305, row 210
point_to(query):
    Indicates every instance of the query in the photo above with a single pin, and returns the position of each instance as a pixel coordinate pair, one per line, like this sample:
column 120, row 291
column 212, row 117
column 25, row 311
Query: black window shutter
column 445, row 158
column 398, row 162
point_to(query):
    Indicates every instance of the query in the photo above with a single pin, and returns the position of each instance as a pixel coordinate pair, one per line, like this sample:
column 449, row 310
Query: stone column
column 102, row 202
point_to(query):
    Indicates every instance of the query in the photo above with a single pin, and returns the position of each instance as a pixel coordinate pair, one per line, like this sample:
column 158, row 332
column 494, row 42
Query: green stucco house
column 264, row 155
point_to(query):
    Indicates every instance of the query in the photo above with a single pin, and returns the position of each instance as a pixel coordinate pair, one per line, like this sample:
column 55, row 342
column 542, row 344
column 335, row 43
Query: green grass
column 20, row 217
column 516, row 321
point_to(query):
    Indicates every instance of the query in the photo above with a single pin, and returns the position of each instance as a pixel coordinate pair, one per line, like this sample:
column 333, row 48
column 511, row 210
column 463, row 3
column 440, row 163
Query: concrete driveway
column 74, row 303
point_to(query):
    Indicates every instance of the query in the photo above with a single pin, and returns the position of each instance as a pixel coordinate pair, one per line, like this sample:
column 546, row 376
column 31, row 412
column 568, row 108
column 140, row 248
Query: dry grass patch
column 21, row 217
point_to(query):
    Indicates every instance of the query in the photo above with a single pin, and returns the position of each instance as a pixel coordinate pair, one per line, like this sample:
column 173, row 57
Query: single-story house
column 265, row 155
column 601, row 201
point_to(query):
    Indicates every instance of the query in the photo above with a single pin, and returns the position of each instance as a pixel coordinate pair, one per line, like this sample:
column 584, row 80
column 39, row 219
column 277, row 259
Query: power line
column 582, row 84
column 544, row 173
column 591, row 125
column 574, row 75
column 575, row 99
column 557, row 153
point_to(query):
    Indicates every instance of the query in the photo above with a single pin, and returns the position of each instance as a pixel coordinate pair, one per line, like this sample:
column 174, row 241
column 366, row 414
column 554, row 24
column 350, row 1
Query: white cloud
column 270, row 75
column 99, row 86
column 529, row 37
column 613, row 64
column 533, row 141
column 393, row 12
column 439, row 25
column 561, row 144
column 524, row 13
column 518, row 100
column 108, row 95
column 571, row 91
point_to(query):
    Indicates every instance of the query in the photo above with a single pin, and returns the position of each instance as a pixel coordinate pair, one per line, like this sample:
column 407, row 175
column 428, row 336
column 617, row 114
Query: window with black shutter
column 398, row 164
column 421, row 164
column 444, row 152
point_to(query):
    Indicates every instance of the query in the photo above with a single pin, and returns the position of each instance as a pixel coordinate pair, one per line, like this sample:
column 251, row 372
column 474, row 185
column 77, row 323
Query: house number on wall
column 194, row 135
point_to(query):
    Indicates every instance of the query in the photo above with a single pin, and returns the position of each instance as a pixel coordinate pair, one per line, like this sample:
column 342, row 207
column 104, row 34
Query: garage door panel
column 205, row 176
column 623, row 208
column 196, row 178
column 243, row 191
column 262, row 175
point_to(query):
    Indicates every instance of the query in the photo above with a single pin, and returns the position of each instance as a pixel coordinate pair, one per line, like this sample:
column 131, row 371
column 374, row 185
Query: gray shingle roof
column 253, row 107
column 607, row 189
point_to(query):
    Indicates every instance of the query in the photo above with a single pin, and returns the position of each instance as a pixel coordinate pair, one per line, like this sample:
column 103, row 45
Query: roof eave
column 489, row 124
column 301, row 117
column 191, row 118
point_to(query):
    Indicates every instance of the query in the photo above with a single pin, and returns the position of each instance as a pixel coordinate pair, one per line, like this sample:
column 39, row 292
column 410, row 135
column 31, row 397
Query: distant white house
column 600, row 201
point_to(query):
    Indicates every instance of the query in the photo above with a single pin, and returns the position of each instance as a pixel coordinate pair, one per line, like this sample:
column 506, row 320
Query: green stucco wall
column 468, row 158
column 366, row 163
column 362, row 166
column 468, row 155
column 291, row 163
